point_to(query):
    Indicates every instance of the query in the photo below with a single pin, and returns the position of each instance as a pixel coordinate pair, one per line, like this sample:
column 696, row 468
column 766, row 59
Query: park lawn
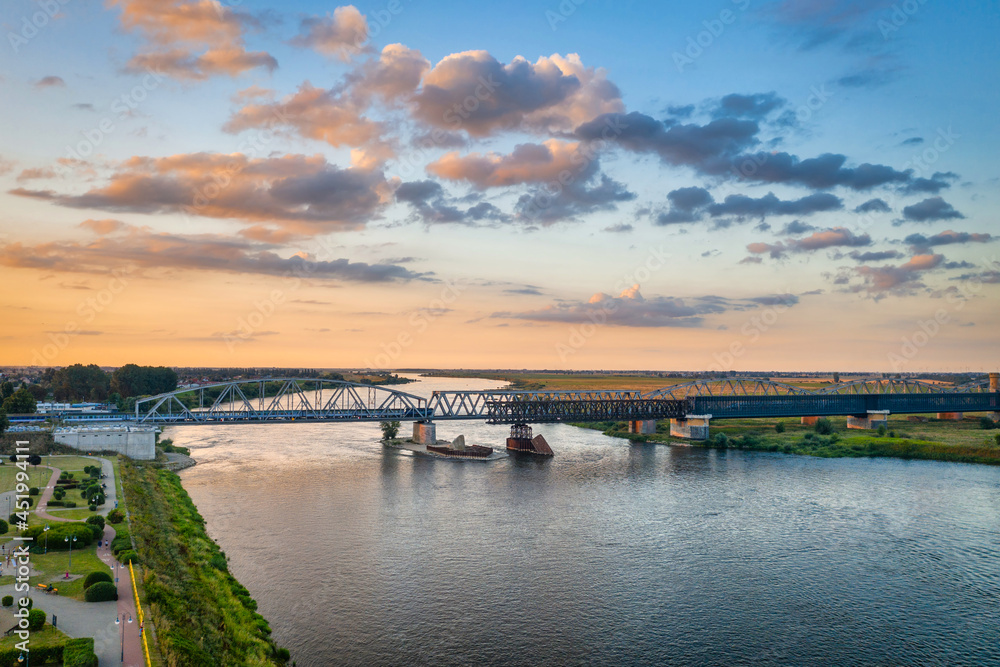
column 47, row 636
column 75, row 513
column 51, row 567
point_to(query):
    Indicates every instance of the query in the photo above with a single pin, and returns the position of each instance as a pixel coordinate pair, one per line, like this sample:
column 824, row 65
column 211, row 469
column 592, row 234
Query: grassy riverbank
column 963, row 441
column 202, row 615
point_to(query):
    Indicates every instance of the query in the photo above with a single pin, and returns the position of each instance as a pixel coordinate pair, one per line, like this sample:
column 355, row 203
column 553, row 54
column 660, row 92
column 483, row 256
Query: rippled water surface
column 608, row 554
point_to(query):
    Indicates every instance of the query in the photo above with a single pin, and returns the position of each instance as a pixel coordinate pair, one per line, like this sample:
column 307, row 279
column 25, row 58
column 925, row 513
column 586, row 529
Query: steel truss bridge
column 280, row 400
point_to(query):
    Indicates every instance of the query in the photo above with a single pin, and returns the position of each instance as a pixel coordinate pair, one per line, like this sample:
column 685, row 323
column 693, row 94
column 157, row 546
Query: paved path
column 110, row 493
column 126, row 603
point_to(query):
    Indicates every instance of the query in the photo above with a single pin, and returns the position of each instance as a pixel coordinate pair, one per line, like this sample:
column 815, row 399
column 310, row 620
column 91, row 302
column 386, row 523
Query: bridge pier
column 692, row 427
column 809, row 421
column 424, row 433
column 951, row 416
column 871, row 421
column 643, row 426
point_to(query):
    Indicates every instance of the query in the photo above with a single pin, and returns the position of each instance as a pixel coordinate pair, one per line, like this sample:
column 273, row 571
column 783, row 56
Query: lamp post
column 46, row 531
column 118, row 621
column 70, row 566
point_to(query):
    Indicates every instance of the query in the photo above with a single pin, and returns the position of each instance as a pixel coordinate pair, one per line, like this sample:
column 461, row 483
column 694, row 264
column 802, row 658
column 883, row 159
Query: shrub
column 283, row 654
column 36, row 619
column 97, row 521
column 122, row 542
column 95, row 530
column 58, row 534
column 389, row 429
column 102, row 591
column 92, row 507
column 997, row 439
column 3, row 527
column 128, row 556
column 824, row 426
column 115, row 516
column 882, row 430
column 94, row 577
column 8, row 601
column 892, row 434
column 33, row 491
column 79, row 653
column 55, row 503
column 218, row 561
column 69, row 503
column 780, row 427
column 986, row 423
column 721, row 440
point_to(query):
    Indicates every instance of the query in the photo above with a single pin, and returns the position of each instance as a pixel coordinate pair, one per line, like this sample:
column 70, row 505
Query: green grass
column 52, row 566
column 935, row 440
column 47, row 636
column 202, row 615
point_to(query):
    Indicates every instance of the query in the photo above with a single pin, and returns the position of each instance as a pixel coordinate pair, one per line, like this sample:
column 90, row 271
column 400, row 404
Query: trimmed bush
column 8, row 601
column 58, row 533
column 97, row 521
column 95, row 530
column 55, row 503
column 115, row 516
column 92, row 507
column 3, row 527
column 128, row 556
column 96, row 576
column 79, row 653
column 33, row 491
column 36, row 619
column 102, row 591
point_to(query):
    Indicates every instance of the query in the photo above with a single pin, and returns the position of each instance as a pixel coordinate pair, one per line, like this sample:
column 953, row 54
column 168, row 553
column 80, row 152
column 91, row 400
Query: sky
column 585, row 184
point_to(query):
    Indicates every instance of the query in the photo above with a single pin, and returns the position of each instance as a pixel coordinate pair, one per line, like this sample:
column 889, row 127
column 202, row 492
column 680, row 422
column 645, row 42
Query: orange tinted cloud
column 528, row 163
column 343, row 35
column 103, row 227
column 191, row 40
column 305, row 194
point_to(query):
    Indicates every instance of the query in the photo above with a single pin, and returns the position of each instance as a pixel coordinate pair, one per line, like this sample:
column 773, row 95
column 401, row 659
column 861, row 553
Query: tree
column 38, row 391
column 779, row 427
column 4, row 422
column 133, row 380
column 79, row 382
column 21, row 402
column 836, row 377
column 389, row 430
column 6, row 389
column 823, row 426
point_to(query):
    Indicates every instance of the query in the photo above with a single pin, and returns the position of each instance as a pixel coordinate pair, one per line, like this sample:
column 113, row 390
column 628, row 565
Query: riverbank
column 203, row 615
column 934, row 440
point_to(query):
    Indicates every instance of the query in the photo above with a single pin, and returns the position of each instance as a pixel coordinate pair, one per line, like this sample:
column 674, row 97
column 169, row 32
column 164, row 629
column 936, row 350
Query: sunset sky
column 588, row 184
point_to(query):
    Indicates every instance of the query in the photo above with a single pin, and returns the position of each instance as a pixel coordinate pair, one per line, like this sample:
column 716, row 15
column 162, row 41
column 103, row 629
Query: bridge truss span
column 281, row 399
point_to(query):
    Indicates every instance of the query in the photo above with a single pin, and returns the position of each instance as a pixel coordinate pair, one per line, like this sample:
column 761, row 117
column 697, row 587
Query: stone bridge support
column 424, row 433
column 951, row 416
column 692, row 427
column 994, row 387
column 871, row 421
column 809, row 421
column 643, row 426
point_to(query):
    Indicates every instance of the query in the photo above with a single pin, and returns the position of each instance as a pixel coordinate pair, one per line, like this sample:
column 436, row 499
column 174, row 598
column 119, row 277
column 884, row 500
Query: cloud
column 473, row 92
column 50, row 82
column 903, row 279
column 302, row 193
column 315, row 113
column 754, row 106
column 103, row 227
column 528, row 163
column 920, row 243
column 769, row 204
column 204, row 252
column 620, row 228
column 691, row 204
column 587, row 193
column 930, row 210
column 431, row 205
column 84, row 106
column 393, row 77
column 828, row 238
column 939, row 181
column 912, row 141
column 631, row 309
column 873, row 206
column 341, row 35
column 875, row 256
column 191, row 40
column 35, row 173
column 797, row 227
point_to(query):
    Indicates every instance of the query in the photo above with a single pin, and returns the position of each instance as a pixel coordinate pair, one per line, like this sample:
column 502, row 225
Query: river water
column 607, row 554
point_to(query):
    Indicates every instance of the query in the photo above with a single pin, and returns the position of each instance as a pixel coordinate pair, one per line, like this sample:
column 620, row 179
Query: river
column 607, row 554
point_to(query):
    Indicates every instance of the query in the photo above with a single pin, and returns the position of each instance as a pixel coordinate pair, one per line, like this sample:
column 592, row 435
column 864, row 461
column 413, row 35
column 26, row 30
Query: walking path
column 96, row 619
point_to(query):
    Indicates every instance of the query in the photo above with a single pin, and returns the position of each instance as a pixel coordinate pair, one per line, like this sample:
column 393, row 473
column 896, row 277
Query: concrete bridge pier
column 643, row 426
column 692, row 427
column 871, row 421
column 994, row 387
column 951, row 416
column 424, row 433
column 809, row 421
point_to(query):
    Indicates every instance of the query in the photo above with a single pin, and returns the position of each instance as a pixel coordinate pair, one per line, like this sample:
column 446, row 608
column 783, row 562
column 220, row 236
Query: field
column 964, row 441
